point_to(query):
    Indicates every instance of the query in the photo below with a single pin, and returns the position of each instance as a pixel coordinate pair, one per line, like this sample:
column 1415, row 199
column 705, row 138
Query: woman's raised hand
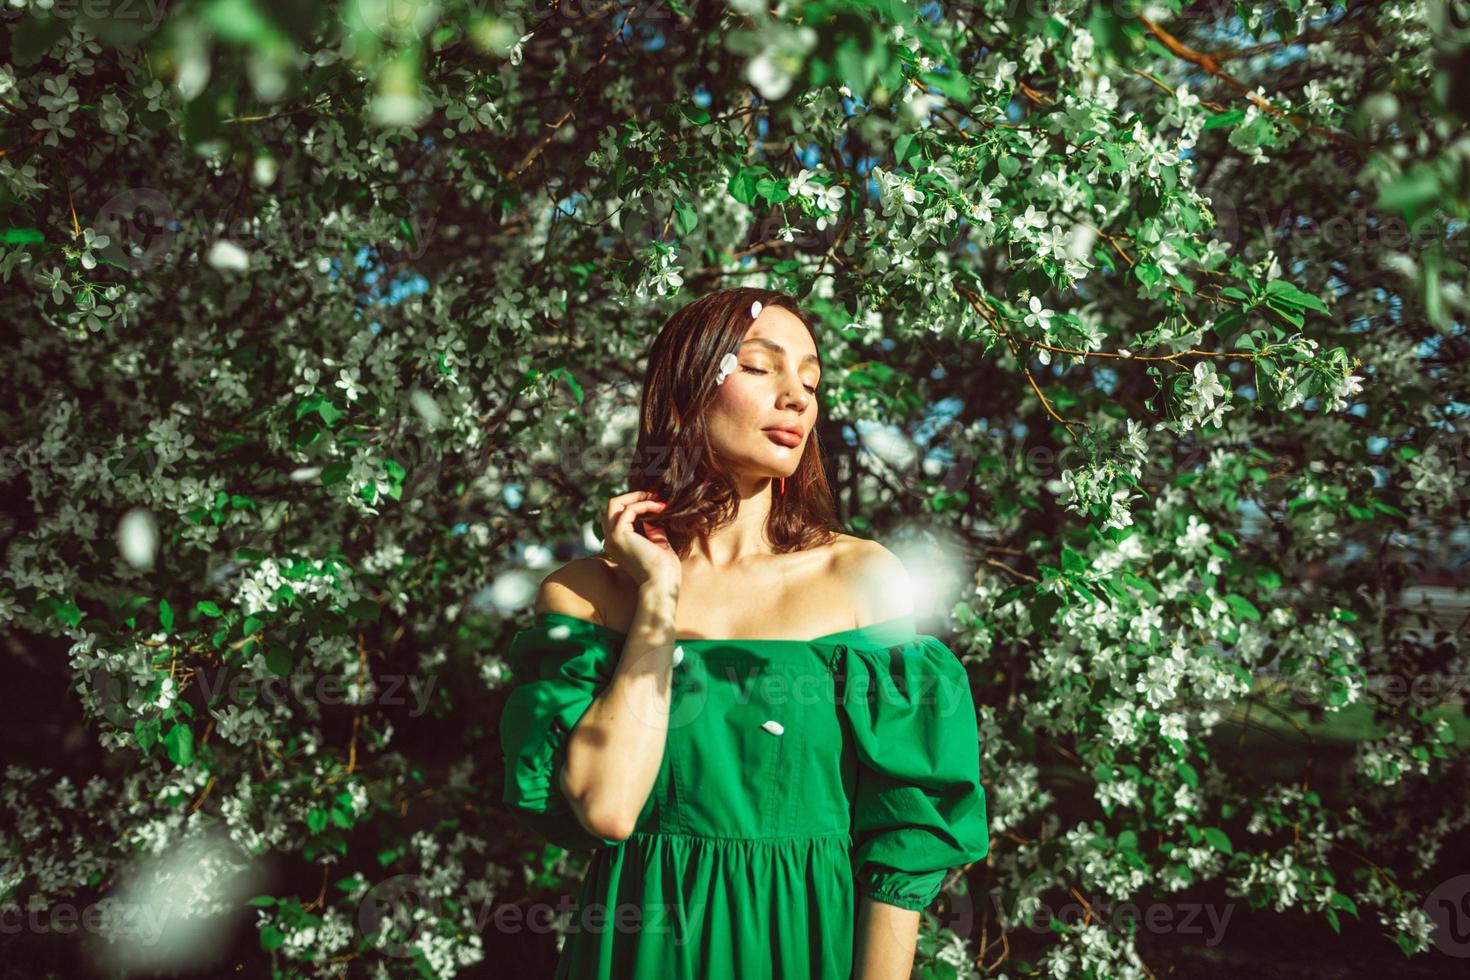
column 647, row 558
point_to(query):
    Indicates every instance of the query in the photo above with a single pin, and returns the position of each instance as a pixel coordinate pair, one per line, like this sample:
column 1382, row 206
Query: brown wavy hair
column 674, row 458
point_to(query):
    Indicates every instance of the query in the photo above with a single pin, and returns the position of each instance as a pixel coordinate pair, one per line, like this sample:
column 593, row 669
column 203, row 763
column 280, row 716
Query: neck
column 744, row 538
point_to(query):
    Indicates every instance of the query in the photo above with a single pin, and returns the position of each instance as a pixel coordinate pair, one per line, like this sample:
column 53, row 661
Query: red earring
column 783, row 485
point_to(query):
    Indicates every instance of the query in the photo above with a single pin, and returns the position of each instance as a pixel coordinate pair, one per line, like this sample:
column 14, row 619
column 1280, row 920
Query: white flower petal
column 227, row 255
column 728, row 363
column 755, row 309
column 774, row 727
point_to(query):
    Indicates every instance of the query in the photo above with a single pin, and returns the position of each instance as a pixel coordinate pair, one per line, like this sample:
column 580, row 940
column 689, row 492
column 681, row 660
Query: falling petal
column 755, row 309
column 427, row 407
column 774, row 727
column 591, row 540
column 888, row 443
column 265, row 170
column 1079, row 241
column 228, row 255
column 167, row 911
column 728, row 363
column 678, row 655
column 771, row 76
column 514, row 589
column 137, row 538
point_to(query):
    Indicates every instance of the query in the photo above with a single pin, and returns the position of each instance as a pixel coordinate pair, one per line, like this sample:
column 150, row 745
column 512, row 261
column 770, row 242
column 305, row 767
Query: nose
column 796, row 395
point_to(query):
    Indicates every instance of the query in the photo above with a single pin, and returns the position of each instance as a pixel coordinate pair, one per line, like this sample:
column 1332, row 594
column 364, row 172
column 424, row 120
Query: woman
column 730, row 704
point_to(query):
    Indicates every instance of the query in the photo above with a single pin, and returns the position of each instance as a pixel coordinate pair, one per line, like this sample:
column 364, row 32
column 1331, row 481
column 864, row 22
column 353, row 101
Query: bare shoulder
column 876, row 579
column 582, row 588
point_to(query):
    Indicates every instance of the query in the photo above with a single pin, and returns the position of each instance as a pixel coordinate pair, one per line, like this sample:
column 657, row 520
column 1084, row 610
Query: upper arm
column 578, row 588
column 880, row 584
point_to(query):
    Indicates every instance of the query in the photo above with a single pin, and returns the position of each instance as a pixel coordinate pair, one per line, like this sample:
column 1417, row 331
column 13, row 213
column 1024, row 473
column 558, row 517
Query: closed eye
column 810, row 388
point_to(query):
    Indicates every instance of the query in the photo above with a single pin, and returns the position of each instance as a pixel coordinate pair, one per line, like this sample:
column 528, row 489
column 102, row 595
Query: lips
column 790, row 438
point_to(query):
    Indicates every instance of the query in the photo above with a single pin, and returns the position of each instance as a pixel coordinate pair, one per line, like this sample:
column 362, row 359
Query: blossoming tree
column 1144, row 343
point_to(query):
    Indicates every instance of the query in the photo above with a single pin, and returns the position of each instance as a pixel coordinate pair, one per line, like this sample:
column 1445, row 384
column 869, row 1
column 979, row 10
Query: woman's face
column 774, row 387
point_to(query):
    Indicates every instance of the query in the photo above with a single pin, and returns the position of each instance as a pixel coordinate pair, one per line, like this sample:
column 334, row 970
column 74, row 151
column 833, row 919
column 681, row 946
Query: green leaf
column 1283, row 290
column 308, row 405
column 201, row 122
column 902, row 146
column 1410, row 191
column 209, row 609
column 1389, row 509
column 1042, row 611
column 329, row 412
column 316, row 819
column 1291, row 314
column 742, row 184
column 65, row 611
column 1217, row 839
column 1267, row 578
column 179, row 744
column 146, row 732
column 271, row 939
column 335, row 473
column 278, row 660
column 685, row 217
column 21, row 236
column 953, row 84
column 132, row 604
column 242, row 21
column 364, row 609
column 1243, row 607
column 1227, row 118
column 572, row 384
column 1228, row 324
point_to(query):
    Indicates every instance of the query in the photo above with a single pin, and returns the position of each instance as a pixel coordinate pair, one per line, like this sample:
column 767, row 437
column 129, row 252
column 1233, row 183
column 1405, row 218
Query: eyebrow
column 772, row 345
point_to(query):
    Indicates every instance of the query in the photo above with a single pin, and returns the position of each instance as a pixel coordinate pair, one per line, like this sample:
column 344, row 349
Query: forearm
column 616, row 748
column 884, row 941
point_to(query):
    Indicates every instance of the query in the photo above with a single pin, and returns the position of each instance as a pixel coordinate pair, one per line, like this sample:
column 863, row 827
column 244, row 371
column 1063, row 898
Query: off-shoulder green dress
column 798, row 776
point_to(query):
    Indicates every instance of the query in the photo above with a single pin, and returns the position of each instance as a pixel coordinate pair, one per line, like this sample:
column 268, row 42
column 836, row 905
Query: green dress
column 797, row 777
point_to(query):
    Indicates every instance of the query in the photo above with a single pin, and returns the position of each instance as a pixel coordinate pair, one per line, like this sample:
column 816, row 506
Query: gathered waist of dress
column 840, row 837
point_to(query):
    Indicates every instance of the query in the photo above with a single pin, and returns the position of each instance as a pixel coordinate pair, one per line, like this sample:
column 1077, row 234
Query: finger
column 617, row 502
column 630, row 513
column 627, row 523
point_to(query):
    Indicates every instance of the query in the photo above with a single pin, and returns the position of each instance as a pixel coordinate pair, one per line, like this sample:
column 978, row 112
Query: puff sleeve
column 919, row 808
column 559, row 665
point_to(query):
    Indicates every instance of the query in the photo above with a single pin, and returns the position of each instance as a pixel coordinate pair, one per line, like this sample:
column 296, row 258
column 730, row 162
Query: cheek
column 735, row 401
column 732, row 414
